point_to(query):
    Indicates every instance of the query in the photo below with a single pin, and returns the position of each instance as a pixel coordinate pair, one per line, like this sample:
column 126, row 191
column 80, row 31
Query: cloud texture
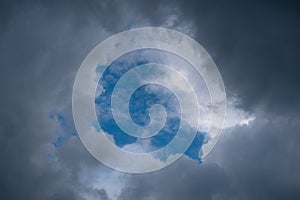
column 255, row 46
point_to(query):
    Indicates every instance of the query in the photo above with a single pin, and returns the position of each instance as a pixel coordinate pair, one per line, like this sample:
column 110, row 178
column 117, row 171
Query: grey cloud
column 183, row 180
column 42, row 45
column 254, row 44
column 40, row 52
column 257, row 162
column 262, row 159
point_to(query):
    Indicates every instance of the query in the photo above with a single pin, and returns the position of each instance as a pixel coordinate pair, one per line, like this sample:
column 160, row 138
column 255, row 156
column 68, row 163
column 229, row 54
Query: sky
column 255, row 45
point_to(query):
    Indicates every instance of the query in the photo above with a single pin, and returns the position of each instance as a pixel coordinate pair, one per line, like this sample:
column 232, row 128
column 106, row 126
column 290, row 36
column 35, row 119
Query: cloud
column 182, row 180
column 255, row 46
column 247, row 163
column 42, row 45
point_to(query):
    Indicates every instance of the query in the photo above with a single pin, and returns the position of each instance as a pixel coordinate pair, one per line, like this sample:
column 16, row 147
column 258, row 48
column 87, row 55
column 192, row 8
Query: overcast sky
column 255, row 45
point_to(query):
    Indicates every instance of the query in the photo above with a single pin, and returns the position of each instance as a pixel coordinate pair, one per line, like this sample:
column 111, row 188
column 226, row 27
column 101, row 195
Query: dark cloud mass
column 255, row 44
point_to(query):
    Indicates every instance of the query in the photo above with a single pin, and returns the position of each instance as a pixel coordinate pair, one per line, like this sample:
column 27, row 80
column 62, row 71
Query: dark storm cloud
column 41, row 46
column 182, row 180
column 254, row 44
column 260, row 162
